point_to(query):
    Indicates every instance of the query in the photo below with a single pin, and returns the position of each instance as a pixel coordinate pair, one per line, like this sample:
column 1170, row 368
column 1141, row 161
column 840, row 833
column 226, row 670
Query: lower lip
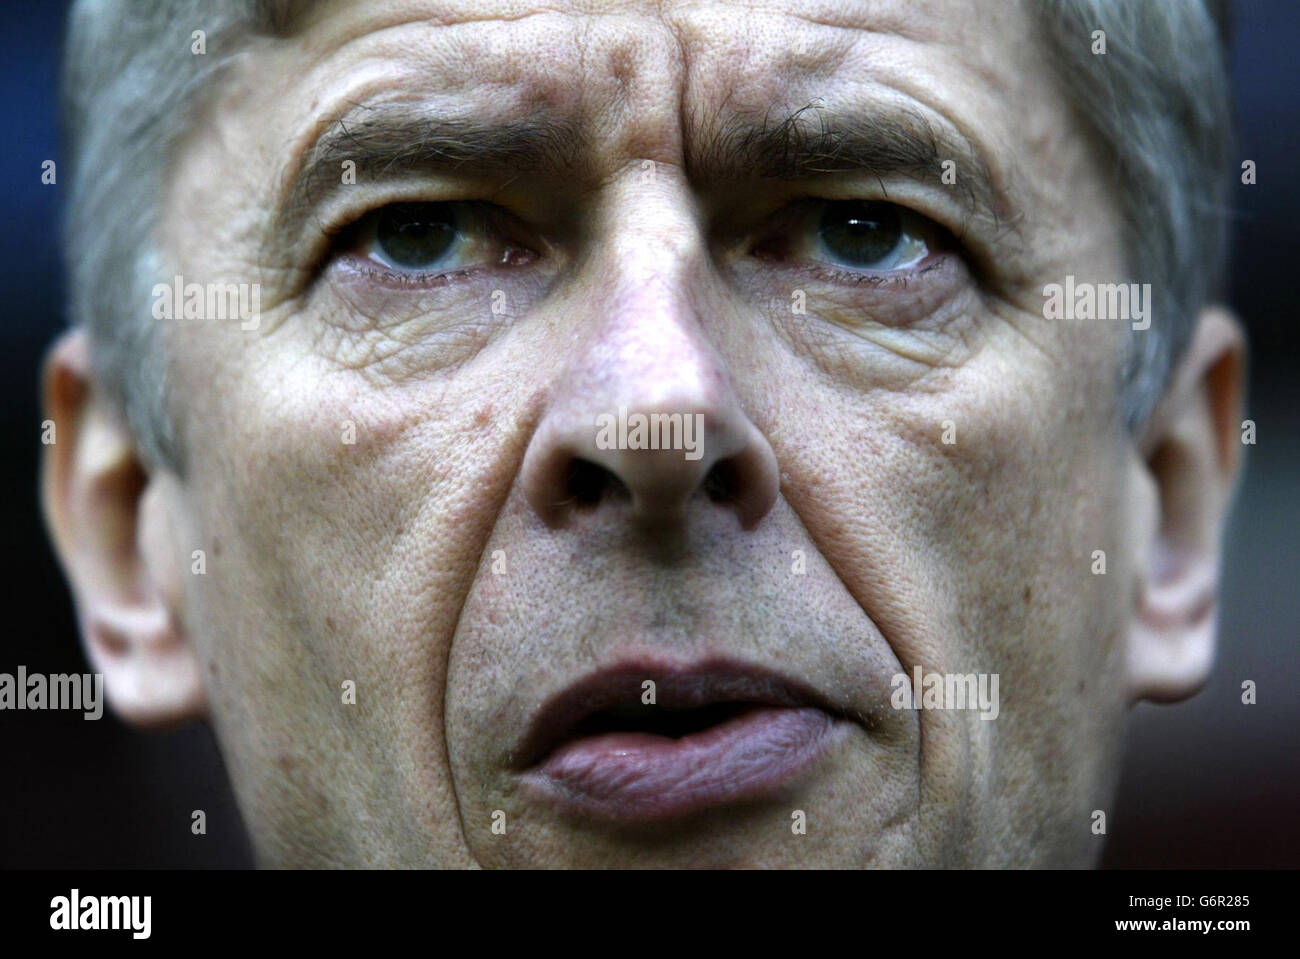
column 638, row 777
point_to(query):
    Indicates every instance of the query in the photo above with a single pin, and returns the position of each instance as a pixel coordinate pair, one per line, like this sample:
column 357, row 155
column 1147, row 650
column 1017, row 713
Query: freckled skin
column 372, row 561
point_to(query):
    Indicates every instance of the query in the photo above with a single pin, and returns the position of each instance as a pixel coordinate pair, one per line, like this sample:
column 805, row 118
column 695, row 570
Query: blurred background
column 1209, row 782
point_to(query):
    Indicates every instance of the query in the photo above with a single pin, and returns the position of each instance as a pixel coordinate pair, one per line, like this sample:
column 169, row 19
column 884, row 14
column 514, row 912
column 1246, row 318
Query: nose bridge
column 651, row 349
column 654, row 255
column 647, row 348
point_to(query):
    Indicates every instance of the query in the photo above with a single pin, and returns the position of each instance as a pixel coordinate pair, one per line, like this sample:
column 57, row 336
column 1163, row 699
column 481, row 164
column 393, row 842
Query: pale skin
column 643, row 286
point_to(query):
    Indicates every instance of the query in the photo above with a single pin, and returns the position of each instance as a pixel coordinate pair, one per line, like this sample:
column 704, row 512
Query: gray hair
column 129, row 77
column 1158, row 101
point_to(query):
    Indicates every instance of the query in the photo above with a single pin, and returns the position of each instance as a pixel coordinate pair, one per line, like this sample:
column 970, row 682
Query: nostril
column 722, row 482
column 653, row 471
column 587, row 483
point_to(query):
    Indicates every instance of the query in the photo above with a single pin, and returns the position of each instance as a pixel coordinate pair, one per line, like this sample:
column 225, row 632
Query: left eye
column 415, row 236
column 856, row 235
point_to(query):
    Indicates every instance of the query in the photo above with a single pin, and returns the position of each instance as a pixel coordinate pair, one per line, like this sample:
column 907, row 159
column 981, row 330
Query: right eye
column 431, row 239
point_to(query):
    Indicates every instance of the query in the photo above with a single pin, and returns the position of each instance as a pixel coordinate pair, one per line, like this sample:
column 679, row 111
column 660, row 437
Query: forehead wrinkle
column 337, row 35
column 634, row 54
column 872, row 19
column 986, row 181
column 627, row 58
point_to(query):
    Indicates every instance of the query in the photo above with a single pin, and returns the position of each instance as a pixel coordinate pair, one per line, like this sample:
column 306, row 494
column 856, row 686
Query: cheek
column 948, row 501
column 1010, row 486
column 345, row 491
column 962, row 515
column 344, row 523
column 1022, row 506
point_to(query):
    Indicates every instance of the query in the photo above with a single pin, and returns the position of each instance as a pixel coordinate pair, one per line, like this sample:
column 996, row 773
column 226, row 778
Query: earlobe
column 109, row 521
column 1193, row 455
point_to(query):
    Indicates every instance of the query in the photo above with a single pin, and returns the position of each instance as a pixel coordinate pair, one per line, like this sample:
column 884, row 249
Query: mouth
column 615, row 747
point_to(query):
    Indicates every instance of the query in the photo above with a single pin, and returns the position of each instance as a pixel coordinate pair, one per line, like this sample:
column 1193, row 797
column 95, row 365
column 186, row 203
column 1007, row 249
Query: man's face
column 399, row 483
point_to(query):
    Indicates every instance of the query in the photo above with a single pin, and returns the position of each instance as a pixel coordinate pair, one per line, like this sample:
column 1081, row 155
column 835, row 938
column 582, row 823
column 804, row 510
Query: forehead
column 638, row 73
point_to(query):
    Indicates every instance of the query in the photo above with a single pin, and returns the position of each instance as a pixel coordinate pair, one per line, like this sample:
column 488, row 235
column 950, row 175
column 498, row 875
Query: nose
column 651, row 461
column 645, row 426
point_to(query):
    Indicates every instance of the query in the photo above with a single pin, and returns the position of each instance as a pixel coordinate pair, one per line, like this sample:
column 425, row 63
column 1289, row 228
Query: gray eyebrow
column 394, row 137
column 387, row 138
column 812, row 142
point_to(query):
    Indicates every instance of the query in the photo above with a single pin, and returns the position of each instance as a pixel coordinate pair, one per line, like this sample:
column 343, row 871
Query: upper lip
column 713, row 681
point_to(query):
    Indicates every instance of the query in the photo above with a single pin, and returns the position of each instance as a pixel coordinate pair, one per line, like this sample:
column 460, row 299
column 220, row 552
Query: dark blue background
column 1208, row 782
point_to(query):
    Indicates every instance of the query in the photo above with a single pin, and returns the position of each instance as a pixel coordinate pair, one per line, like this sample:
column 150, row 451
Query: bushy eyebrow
column 812, row 142
column 392, row 137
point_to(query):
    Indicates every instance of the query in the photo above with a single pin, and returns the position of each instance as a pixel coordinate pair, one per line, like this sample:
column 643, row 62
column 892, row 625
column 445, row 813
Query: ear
column 1192, row 446
column 109, row 519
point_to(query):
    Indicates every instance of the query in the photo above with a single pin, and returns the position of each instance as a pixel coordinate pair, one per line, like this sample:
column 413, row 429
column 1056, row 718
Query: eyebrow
column 388, row 138
column 812, row 142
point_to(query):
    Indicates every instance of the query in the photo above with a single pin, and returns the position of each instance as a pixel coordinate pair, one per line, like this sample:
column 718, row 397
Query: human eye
column 854, row 241
column 423, row 243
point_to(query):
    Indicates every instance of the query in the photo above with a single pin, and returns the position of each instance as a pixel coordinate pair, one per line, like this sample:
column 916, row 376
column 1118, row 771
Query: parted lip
column 680, row 686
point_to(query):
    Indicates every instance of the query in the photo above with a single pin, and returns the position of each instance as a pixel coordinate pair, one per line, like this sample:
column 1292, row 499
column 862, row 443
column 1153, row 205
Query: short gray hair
column 129, row 81
column 1158, row 101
